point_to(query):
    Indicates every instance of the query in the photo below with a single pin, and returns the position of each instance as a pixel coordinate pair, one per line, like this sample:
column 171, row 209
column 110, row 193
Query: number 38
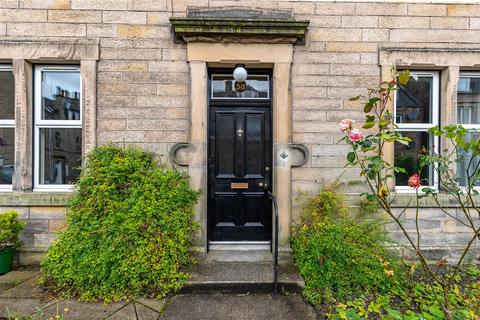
column 240, row 86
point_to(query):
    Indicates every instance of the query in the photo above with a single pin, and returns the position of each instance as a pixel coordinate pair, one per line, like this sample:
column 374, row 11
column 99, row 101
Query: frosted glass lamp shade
column 240, row 73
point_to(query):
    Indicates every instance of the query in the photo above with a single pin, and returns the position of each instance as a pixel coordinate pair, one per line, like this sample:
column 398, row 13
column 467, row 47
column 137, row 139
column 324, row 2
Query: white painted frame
column 423, row 127
column 5, row 123
column 470, row 127
column 468, row 75
column 236, row 98
column 41, row 124
column 435, row 102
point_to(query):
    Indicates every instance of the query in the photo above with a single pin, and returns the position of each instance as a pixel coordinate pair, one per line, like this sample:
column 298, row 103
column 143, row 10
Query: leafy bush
column 10, row 228
column 349, row 274
column 340, row 256
column 418, row 298
column 129, row 229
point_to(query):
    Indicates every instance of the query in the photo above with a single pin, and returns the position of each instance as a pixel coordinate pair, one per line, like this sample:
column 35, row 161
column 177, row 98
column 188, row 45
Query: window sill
column 6, row 188
column 409, row 199
column 404, row 190
column 54, row 189
column 445, row 200
column 37, row 198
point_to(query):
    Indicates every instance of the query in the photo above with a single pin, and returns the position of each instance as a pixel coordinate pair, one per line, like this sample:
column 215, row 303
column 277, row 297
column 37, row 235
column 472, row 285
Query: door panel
column 225, row 202
column 254, row 135
column 225, row 143
column 240, row 147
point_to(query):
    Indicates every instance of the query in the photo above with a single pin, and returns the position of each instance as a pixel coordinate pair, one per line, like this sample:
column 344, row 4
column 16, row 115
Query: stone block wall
column 42, row 223
column 143, row 75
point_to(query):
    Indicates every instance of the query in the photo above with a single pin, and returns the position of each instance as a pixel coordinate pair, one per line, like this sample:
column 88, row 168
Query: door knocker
column 239, row 132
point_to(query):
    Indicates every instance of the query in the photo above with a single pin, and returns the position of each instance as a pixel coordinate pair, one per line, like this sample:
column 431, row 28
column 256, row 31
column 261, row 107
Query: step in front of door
column 241, row 277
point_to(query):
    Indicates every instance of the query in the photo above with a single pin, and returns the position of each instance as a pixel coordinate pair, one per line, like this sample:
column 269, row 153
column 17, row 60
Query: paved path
column 19, row 293
column 237, row 307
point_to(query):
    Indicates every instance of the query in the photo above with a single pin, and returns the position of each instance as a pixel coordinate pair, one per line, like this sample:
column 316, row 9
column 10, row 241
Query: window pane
column 468, row 100
column 466, row 166
column 7, row 107
column 60, row 155
column 60, row 95
column 223, row 86
column 407, row 157
column 7, row 153
column 414, row 101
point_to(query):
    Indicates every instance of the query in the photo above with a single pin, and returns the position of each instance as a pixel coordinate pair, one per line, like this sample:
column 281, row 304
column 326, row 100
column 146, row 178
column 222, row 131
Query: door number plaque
column 239, row 185
column 240, row 86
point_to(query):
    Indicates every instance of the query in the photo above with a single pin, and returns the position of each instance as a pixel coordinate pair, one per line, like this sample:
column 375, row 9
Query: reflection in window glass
column 60, row 95
column 7, row 97
column 414, row 101
column 466, row 166
column 468, row 100
column 223, row 87
column 7, row 153
column 407, row 157
column 60, row 158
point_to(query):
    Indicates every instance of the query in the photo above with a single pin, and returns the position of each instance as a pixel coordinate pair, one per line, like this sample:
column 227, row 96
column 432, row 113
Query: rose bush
column 368, row 153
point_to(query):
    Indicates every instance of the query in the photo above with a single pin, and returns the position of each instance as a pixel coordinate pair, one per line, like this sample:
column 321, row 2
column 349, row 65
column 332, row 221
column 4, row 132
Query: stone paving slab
column 27, row 289
column 80, row 310
column 14, row 278
column 135, row 311
column 26, row 306
column 157, row 305
column 238, row 307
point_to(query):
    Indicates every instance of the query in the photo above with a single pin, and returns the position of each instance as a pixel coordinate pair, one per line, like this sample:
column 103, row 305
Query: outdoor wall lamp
column 240, row 73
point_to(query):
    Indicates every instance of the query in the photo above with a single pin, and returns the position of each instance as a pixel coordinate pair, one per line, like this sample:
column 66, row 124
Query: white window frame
column 464, row 75
column 4, row 123
column 470, row 127
column 422, row 127
column 42, row 124
column 435, row 102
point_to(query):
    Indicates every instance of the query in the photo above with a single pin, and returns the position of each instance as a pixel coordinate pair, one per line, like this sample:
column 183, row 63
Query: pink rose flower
column 414, row 181
column 346, row 124
column 355, row 136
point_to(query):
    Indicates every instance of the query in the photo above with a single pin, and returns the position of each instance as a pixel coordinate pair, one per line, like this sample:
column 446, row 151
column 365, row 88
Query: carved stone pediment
column 239, row 30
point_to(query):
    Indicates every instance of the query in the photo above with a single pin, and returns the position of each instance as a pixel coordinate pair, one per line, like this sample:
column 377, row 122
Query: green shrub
column 129, row 229
column 340, row 256
column 419, row 298
column 10, row 228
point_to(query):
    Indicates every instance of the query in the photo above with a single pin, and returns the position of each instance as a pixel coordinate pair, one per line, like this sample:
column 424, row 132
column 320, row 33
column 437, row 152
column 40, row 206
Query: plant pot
column 6, row 259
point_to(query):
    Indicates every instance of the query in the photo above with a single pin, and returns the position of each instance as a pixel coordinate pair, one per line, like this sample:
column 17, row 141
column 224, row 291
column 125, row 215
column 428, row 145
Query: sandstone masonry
column 141, row 82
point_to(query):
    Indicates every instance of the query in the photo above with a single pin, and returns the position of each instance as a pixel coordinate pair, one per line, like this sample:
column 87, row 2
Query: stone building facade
column 145, row 76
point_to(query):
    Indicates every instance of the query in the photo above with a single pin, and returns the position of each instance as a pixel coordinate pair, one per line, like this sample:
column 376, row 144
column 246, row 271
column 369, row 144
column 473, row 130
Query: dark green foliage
column 129, row 229
column 340, row 256
column 10, row 228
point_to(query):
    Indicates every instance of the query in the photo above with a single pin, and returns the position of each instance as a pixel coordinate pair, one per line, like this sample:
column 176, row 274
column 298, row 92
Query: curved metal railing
column 275, row 242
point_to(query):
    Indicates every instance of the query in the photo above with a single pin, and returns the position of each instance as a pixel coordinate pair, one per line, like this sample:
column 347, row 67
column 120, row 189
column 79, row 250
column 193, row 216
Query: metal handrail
column 275, row 239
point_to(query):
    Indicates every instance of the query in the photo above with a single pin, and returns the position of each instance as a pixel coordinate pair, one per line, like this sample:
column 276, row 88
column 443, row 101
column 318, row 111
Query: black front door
column 240, row 169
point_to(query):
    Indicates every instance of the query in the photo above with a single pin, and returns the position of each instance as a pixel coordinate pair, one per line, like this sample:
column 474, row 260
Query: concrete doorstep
column 241, row 277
